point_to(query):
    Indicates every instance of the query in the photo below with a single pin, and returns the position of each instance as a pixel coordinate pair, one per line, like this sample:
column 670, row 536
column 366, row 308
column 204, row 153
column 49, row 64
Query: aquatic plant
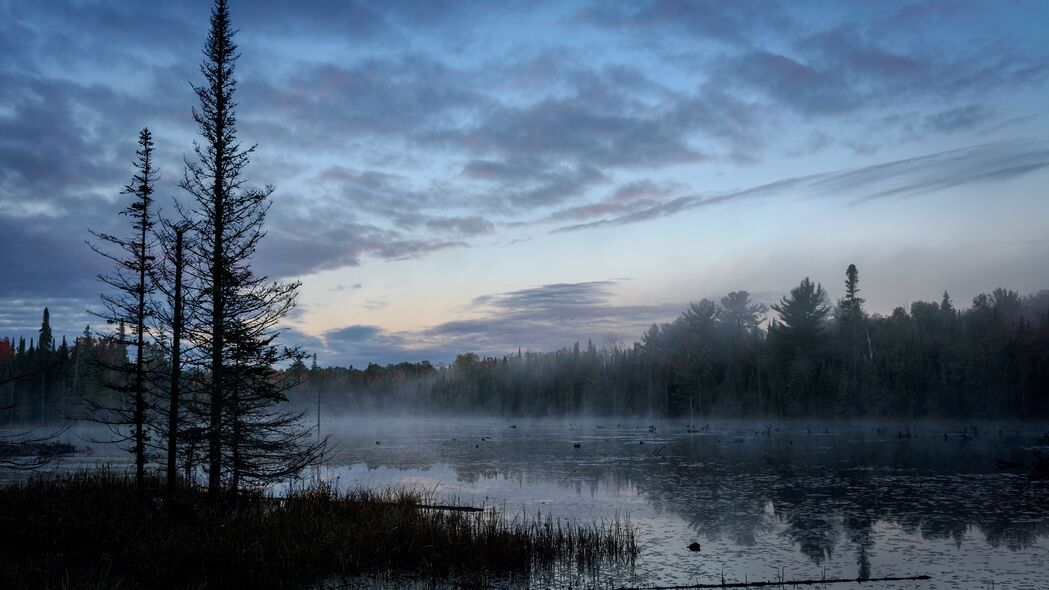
column 95, row 528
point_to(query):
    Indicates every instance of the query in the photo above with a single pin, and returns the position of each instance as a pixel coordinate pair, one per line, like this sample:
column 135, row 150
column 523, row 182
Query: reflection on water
column 793, row 499
column 848, row 501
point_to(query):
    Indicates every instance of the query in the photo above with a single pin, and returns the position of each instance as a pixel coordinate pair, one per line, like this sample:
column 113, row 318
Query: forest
column 803, row 356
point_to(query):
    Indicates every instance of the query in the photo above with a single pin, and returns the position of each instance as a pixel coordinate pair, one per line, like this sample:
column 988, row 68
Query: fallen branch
column 24, row 452
column 449, row 508
column 772, row 583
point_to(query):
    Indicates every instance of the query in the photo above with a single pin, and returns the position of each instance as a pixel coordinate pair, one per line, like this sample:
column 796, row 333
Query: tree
column 742, row 315
column 743, row 320
column 946, row 306
column 851, row 331
column 131, row 282
column 170, row 315
column 47, row 340
column 850, row 307
column 240, row 311
column 801, row 316
column 852, row 285
column 850, row 314
column 798, row 340
column 44, row 358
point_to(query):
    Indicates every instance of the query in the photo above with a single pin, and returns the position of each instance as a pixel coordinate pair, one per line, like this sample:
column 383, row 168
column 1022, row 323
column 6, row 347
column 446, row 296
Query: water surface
column 763, row 499
column 799, row 500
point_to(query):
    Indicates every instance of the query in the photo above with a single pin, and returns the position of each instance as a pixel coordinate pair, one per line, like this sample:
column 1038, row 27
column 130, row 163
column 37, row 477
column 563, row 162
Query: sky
column 489, row 176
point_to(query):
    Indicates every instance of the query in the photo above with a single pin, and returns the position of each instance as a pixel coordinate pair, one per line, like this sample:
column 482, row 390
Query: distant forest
column 802, row 356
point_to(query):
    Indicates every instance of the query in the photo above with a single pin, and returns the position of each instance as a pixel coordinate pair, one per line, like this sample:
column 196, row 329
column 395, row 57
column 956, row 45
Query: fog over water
column 762, row 498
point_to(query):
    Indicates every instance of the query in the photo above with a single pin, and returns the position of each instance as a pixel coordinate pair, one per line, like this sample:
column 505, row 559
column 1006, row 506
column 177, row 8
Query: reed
column 94, row 529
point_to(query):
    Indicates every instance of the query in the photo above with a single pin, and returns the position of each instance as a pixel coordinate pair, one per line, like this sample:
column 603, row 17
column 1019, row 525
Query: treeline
column 41, row 381
column 803, row 356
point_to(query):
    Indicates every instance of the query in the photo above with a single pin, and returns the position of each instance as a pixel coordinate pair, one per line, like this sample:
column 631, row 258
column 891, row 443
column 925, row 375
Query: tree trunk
column 140, row 378
column 176, row 363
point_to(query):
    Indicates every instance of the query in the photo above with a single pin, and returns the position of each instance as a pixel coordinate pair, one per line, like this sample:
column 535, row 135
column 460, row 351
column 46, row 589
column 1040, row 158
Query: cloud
column 577, row 129
column 374, row 304
column 290, row 251
column 630, row 197
column 847, row 68
column 355, row 333
column 941, row 171
column 467, row 226
column 958, row 118
column 519, row 185
column 293, row 337
column 546, row 317
column 390, row 196
column 328, row 104
column 352, row 287
column 361, row 344
column 727, row 22
column 50, row 137
column 394, row 130
column 40, row 261
column 900, row 178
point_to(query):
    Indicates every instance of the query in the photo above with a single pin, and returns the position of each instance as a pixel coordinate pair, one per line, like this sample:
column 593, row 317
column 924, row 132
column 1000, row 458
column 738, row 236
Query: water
column 797, row 500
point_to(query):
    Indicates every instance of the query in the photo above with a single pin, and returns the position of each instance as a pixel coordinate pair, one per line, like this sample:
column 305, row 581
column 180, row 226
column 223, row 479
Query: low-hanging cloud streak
column 900, row 178
column 546, row 317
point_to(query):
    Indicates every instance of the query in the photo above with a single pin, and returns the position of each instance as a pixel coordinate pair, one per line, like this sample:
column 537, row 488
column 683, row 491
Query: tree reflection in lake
column 866, row 497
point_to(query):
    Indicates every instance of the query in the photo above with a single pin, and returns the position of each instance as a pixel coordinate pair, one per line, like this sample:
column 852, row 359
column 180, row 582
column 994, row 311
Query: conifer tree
column 47, row 340
column 850, row 317
column 131, row 285
column 852, row 304
column 946, row 306
column 249, row 435
column 801, row 315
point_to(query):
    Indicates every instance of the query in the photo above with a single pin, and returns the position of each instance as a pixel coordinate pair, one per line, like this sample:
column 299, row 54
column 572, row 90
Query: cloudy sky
column 485, row 176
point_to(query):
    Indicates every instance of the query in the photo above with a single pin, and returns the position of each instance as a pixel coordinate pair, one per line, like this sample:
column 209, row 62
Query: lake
column 800, row 500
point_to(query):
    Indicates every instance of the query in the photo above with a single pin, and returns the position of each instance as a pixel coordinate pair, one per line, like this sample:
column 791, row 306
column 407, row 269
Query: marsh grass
column 93, row 529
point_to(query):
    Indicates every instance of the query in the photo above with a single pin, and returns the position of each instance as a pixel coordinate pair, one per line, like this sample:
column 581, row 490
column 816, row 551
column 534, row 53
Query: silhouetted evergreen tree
column 798, row 341
column 131, row 283
column 47, row 340
column 249, row 435
column 946, row 306
column 852, row 331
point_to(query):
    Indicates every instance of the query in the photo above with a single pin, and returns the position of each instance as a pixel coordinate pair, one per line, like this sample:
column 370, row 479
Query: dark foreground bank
column 94, row 530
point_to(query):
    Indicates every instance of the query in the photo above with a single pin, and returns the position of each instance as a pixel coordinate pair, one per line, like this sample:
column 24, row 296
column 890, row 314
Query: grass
column 94, row 530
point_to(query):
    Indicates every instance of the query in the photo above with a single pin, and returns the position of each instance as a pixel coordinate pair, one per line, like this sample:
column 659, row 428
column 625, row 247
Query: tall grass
column 93, row 529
